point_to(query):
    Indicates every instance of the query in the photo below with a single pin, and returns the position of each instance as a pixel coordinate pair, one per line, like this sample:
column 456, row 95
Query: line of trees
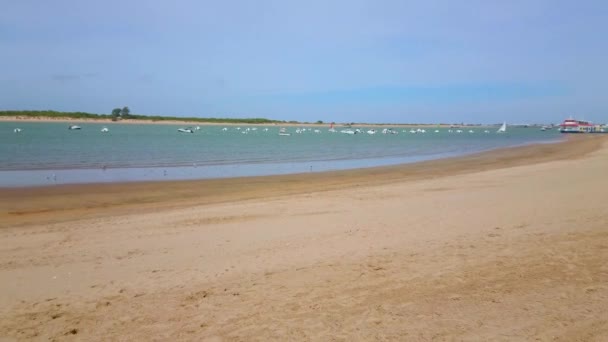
column 52, row 114
column 126, row 114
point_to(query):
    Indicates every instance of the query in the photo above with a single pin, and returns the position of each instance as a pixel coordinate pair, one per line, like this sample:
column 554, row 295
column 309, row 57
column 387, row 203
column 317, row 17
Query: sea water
column 50, row 153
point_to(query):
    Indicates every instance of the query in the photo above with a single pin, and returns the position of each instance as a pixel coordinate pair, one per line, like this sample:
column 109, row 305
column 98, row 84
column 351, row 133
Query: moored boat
column 580, row 126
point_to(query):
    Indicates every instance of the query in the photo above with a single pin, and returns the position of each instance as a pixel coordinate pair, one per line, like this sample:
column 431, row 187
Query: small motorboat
column 283, row 132
column 105, row 130
column 72, row 127
column 185, row 130
column 17, row 130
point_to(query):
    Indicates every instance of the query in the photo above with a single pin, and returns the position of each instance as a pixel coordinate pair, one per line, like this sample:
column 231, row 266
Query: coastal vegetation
column 125, row 113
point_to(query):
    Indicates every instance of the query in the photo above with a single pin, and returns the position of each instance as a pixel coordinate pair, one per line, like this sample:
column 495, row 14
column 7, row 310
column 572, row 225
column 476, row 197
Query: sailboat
column 331, row 128
column 502, row 128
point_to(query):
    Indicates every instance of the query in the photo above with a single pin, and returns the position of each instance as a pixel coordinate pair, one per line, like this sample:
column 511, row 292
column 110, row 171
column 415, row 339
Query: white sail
column 502, row 128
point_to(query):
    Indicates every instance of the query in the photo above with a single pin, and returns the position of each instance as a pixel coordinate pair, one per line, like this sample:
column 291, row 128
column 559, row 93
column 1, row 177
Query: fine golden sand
column 506, row 245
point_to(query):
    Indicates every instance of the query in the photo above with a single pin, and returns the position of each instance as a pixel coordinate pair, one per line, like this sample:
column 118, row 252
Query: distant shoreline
column 199, row 123
column 110, row 122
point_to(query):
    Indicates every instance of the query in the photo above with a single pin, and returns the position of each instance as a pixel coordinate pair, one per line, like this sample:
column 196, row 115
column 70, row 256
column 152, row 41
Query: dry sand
column 17, row 119
column 109, row 121
column 509, row 245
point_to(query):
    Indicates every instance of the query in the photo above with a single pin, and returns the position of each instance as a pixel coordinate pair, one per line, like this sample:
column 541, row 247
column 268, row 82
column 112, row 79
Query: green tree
column 319, row 121
column 115, row 114
column 125, row 112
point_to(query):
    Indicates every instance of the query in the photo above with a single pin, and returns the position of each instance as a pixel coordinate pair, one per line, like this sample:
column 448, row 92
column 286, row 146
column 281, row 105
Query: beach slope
column 509, row 245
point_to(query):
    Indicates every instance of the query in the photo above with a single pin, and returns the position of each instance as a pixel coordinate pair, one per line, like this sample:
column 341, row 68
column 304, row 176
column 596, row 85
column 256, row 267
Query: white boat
column 371, row 131
column 502, row 128
column 105, row 130
column 74, row 127
column 389, row 131
column 185, row 130
column 283, row 132
column 17, row 130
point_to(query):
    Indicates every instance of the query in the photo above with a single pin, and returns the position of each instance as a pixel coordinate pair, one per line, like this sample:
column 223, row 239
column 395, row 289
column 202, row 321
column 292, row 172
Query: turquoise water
column 49, row 153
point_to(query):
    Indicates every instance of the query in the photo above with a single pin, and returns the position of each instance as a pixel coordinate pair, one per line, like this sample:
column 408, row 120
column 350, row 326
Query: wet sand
column 504, row 245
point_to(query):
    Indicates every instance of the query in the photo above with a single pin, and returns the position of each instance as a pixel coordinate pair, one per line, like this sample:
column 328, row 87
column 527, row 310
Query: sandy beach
column 108, row 121
column 504, row 245
column 17, row 119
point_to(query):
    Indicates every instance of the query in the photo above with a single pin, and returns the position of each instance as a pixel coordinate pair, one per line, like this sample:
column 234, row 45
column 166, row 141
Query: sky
column 383, row 61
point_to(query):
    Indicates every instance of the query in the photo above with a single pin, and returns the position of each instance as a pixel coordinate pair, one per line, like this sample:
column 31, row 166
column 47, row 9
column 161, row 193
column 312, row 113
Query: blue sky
column 344, row 61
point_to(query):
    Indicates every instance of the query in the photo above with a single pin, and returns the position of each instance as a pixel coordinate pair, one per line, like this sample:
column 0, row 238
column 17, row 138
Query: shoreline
column 200, row 172
column 23, row 205
column 509, row 245
column 198, row 123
